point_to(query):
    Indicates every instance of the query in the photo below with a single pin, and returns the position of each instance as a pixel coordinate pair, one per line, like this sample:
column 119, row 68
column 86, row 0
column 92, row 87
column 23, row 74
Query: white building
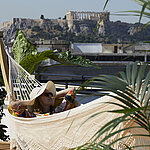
column 86, row 48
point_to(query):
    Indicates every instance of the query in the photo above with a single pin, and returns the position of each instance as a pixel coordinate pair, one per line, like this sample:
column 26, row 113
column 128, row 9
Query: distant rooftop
column 86, row 48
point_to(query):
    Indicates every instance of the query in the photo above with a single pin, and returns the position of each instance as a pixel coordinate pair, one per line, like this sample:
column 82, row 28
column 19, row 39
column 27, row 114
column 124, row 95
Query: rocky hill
column 80, row 30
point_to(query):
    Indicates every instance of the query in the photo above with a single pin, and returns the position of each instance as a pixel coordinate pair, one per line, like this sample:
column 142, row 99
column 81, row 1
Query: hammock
column 58, row 131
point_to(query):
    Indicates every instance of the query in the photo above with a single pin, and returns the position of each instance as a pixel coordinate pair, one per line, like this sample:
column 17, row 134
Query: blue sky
column 53, row 9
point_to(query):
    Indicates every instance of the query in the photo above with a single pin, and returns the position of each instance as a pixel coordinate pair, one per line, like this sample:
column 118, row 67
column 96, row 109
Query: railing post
column 82, row 82
column 66, row 84
column 4, row 64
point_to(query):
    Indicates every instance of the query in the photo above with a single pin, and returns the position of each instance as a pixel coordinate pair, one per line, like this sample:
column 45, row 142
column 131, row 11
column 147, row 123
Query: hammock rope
column 21, row 82
column 63, row 130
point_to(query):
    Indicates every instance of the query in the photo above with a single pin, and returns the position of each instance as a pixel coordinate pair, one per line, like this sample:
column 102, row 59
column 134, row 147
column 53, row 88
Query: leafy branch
column 28, row 57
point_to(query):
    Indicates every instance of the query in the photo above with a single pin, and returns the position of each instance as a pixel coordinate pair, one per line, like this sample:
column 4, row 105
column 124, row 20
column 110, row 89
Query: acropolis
column 86, row 15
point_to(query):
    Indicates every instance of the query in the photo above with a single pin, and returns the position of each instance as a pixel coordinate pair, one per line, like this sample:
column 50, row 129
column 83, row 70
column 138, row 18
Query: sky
column 53, row 9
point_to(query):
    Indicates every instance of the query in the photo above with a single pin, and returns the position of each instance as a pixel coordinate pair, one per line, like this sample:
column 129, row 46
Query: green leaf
column 22, row 47
column 147, row 98
column 134, row 74
column 144, row 87
column 35, row 60
column 106, row 4
column 99, row 23
column 65, row 58
column 26, row 54
column 127, row 110
column 123, row 75
column 68, row 58
column 140, row 78
column 142, row 11
column 128, row 73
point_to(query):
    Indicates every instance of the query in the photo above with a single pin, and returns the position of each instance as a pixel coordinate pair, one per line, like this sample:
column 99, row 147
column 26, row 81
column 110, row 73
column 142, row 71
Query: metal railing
column 64, row 78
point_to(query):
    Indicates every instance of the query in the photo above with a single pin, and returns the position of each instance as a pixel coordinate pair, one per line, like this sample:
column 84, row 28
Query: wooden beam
column 4, row 145
column 4, row 64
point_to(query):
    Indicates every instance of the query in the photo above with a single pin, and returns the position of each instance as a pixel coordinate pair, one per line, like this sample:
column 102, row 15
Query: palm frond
column 143, row 2
column 140, row 78
column 106, row 4
column 134, row 74
column 131, row 92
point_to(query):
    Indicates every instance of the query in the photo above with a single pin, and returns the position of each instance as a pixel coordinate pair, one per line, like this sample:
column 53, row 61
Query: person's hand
column 14, row 104
column 73, row 89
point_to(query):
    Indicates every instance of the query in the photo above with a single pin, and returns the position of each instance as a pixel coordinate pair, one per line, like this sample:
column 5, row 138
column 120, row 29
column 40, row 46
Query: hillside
column 80, row 31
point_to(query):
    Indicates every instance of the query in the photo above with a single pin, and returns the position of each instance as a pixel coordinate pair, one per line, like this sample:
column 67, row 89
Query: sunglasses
column 47, row 94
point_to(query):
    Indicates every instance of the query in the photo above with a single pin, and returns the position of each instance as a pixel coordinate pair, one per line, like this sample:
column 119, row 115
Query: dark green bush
column 3, row 135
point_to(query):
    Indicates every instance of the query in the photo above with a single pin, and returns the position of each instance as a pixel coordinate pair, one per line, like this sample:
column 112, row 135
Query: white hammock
column 63, row 130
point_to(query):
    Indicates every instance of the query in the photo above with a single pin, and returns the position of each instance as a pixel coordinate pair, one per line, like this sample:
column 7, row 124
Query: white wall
column 86, row 48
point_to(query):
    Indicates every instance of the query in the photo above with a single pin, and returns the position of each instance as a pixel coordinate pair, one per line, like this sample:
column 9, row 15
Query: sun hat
column 36, row 92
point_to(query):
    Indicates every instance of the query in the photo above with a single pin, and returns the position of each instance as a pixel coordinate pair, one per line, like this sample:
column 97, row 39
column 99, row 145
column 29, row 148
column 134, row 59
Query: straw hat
column 36, row 92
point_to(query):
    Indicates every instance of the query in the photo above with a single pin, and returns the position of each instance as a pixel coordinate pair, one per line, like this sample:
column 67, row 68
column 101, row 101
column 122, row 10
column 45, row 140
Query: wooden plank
column 4, row 145
column 4, row 64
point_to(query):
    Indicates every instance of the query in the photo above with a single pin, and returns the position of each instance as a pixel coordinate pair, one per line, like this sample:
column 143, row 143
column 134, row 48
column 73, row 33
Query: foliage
column 132, row 94
column 68, row 58
column 144, row 12
column 35, row 60
column 145, row 5
column 62, row 57
column 26, row 54
column 22, row 47
column 3, row 135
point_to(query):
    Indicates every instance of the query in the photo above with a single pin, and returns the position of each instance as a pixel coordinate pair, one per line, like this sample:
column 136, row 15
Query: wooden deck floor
column 4, row 145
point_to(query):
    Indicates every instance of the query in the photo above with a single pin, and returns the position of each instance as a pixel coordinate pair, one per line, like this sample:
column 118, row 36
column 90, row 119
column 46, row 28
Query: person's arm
column 15, row 104
column 20, row 109
column 62, row 93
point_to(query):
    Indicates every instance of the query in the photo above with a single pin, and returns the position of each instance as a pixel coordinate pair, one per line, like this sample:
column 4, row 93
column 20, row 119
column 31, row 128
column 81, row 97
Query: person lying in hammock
column 44, row 100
